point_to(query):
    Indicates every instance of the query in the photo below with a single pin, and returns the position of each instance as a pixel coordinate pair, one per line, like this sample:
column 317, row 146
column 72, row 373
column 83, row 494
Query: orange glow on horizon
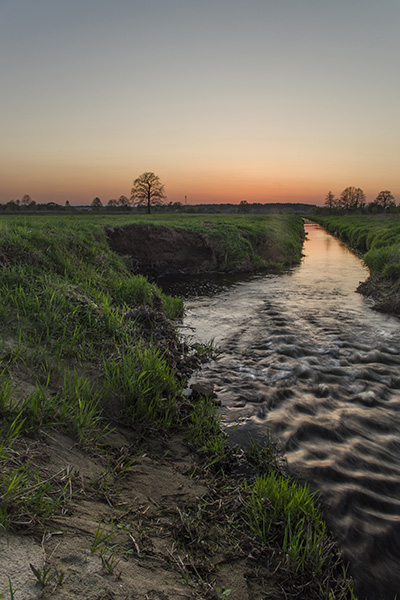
column 80, row 180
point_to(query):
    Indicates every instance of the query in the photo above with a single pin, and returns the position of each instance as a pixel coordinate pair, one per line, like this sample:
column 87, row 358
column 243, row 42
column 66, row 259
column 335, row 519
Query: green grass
column 72, row 355
column 273, row 500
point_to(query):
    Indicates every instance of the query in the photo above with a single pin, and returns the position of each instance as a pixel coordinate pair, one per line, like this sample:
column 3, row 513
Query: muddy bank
column 162, row 250
column 384, row 293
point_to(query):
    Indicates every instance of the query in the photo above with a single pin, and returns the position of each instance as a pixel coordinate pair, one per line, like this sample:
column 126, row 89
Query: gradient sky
column 225, row 100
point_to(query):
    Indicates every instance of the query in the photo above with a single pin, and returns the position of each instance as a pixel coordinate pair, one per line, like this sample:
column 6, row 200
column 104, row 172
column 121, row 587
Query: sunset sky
column 225, row 100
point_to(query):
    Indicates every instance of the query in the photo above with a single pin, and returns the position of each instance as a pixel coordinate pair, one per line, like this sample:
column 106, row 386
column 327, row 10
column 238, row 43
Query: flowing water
column 306, row 358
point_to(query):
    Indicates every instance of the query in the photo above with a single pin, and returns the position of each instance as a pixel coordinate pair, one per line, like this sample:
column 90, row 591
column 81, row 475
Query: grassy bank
column 236, row 243
column 377, row 239
column 112, row 483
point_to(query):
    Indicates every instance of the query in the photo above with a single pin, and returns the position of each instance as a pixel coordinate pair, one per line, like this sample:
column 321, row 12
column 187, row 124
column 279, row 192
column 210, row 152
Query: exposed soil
column 384, row 294
column 161, row 250
column 169, row 537
column 165, row 250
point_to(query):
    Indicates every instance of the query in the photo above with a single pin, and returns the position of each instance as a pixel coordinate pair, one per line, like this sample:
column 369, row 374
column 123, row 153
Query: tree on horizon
column 352, row 198
column 147, row 189
column 385, row 199
column 330, row 200
column 96, row 203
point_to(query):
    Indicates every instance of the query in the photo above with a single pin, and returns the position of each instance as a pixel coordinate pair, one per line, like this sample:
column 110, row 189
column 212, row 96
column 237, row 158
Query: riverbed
column 306, row 359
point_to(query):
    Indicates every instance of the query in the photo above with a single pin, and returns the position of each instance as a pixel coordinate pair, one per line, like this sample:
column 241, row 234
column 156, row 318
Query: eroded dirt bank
column 163, row 250
column 384, row 294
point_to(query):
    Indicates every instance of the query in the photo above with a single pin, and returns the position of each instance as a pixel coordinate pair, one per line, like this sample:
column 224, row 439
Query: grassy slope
column 377, row 239
column 86, row 347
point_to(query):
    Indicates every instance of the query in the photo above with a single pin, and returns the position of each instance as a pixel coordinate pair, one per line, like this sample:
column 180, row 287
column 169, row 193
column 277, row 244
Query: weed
column 11, row 590
column 263, row 454
column 43, row 575
column 79, row 405
column 102, row 544
column 205, row 433
column 109, row 562
column 272, row 499
column 102, row 538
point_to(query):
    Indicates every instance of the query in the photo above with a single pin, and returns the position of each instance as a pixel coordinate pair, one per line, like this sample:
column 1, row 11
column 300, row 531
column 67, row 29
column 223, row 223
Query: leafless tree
column 96, row 203
column 123, row 201
column 147, row 189
column 330, row 200
column 352, row 198
column 385, row 199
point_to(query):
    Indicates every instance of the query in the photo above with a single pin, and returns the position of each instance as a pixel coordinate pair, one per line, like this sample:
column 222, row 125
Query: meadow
column 89, row 351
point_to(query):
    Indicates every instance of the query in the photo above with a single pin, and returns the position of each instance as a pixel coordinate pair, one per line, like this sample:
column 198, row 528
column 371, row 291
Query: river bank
column 115, row 482
column 384, row 293
column 193, row 245
column 377, row 239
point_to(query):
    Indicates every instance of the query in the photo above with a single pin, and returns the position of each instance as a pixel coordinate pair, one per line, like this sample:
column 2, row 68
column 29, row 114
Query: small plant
column 43, row 575
column 102, row 538
column 109, row 562
column 273, row 498
column 102, row 544
column 10, row 587
column 205, row 431
column 223, row 593
column 263, row 454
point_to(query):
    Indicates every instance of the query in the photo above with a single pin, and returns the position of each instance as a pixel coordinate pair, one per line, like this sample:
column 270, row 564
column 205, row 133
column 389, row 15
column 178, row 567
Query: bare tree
column 96, row 203
column 147, row 189
column 123, row 201
column 352, row 198
column 25, row 200
column 385, row 199
column 330, row 200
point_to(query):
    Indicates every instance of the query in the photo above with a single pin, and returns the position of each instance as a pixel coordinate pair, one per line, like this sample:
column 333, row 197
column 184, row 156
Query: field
column 113, row 482
column 377, row 240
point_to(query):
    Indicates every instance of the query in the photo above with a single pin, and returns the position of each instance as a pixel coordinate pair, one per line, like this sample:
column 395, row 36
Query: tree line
column 353, row 199
column 148, row 194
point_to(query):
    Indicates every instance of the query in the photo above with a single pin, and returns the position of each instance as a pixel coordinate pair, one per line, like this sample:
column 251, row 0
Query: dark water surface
column 305, row 357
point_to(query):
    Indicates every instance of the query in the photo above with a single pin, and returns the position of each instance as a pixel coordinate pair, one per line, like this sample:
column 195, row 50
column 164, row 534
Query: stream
column 306, row 358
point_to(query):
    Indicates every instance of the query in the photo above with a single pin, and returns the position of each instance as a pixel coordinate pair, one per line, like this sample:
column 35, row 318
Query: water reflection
column 305, row 356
